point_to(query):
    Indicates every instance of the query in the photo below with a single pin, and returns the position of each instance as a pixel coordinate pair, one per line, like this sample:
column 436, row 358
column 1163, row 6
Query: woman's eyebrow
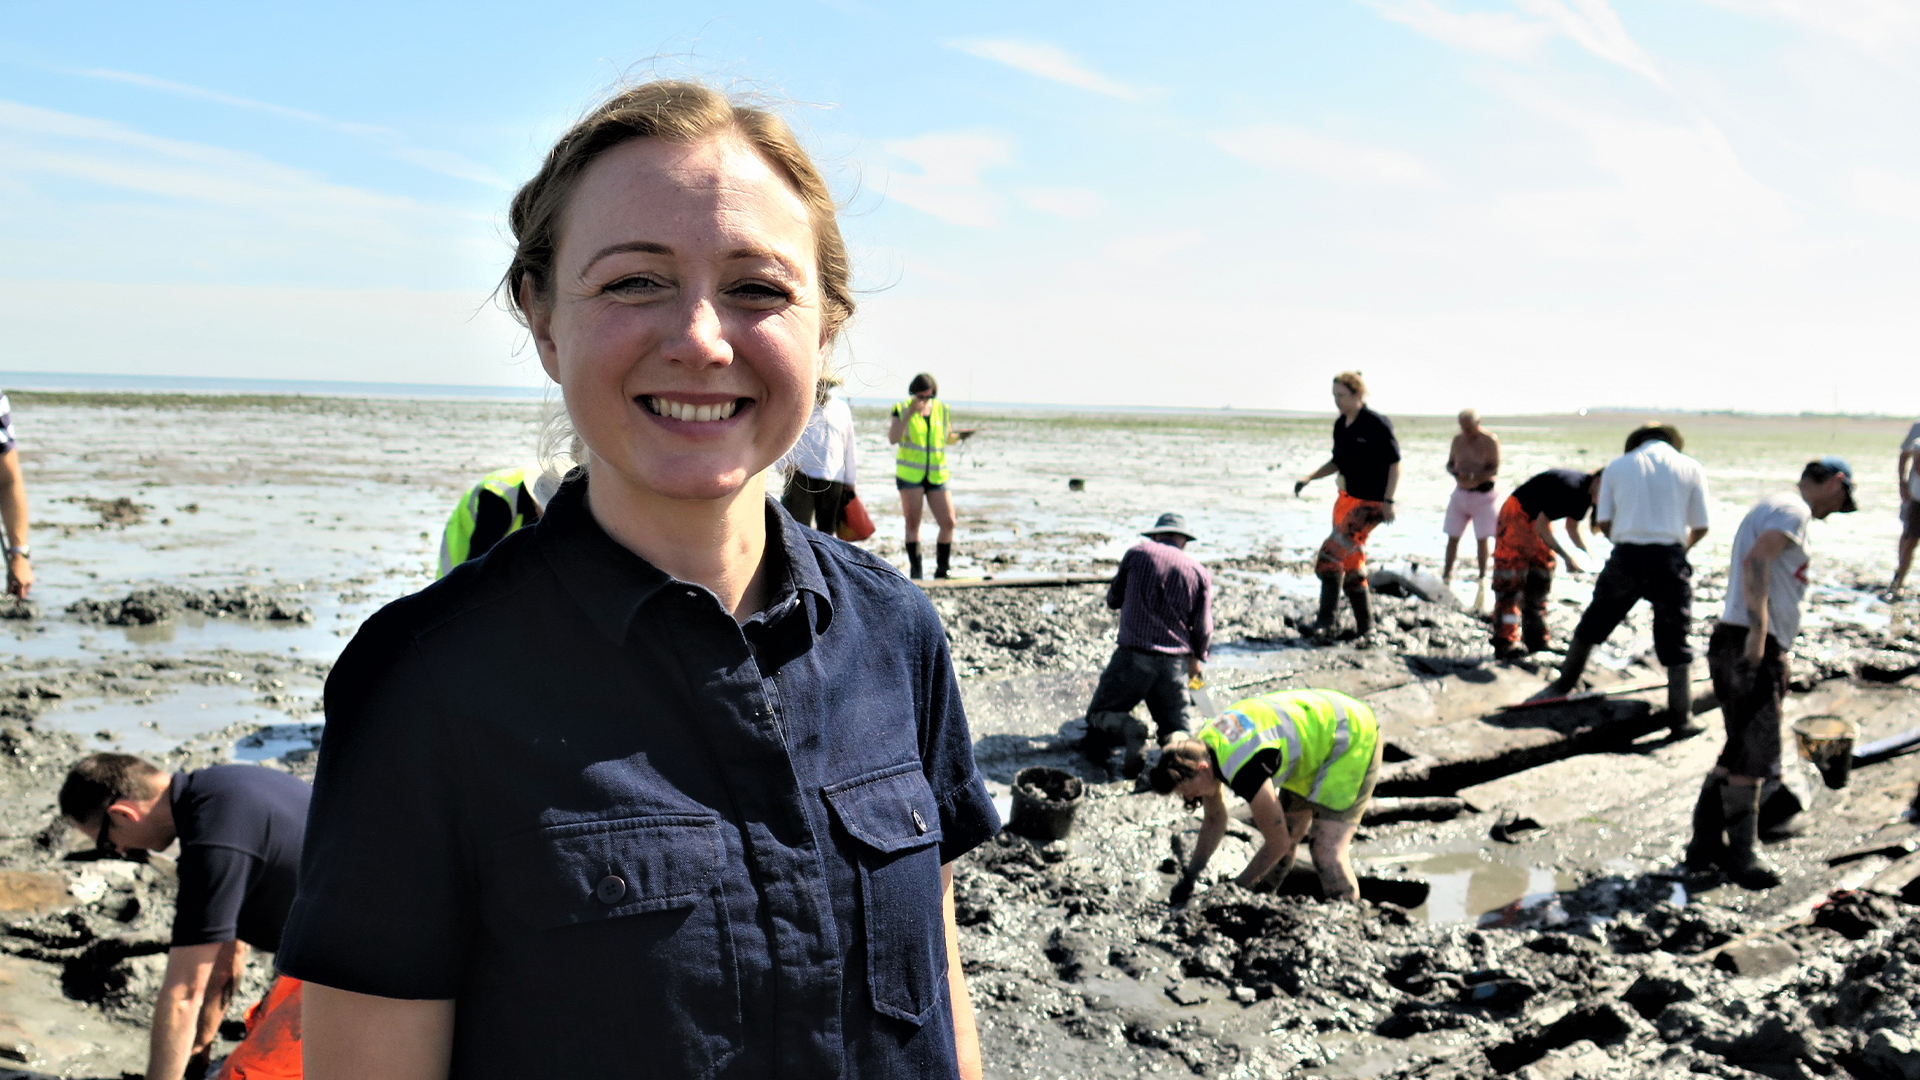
column 645, row 247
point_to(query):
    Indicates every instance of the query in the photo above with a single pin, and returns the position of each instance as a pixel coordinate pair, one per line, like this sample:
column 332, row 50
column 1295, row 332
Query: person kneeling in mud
column 1304, row 760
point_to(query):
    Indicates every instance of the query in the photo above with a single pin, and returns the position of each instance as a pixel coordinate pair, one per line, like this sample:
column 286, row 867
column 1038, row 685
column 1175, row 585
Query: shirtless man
column 1473, row 462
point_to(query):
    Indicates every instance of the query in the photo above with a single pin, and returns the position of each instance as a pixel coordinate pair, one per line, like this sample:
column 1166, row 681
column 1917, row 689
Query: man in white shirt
column 824, row 467
column 1652, row 504
column 1747, row 657
column 1909, row 473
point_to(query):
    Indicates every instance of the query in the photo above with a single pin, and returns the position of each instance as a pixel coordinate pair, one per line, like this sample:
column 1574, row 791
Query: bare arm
column 224, row 980
column 1694, row 536
column 896, row 428
column 1276, row 842
column 966, row 1034
column 1213, row 828
column 348, row 1036
column 1758, row 567
column 13, row 511
column 176, row 1012
column 1573, row 534
column 1393, row 485
column 1325, row 470
column 1904, row 471
column 1543, row 528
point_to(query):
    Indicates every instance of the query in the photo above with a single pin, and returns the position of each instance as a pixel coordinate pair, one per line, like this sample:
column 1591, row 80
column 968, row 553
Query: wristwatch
column 21, row 551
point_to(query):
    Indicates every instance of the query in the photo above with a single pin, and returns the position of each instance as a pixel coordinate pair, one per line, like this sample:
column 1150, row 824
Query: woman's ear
column 540, row 327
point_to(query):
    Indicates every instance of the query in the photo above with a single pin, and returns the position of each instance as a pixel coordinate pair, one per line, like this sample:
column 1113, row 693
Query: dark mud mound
column 144, row 607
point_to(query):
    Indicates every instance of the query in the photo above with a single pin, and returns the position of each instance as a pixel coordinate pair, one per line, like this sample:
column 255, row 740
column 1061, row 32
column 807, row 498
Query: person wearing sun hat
column 1747, row 657
column 1165, row 600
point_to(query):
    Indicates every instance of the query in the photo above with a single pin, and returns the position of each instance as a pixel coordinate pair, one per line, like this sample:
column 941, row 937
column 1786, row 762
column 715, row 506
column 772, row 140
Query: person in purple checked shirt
column 1165, row 600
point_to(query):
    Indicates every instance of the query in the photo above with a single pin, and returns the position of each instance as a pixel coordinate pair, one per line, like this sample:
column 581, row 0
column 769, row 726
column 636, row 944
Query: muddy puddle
column 190, row 716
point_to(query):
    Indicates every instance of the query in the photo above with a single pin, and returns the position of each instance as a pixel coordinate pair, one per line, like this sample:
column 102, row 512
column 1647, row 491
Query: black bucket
column 1044, row 802
column 1827, row 741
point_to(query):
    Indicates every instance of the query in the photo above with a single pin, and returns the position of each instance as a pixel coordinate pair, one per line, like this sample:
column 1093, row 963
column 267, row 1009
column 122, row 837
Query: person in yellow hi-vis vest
column 923, row 429
column 502, row 502
column 1304, row 760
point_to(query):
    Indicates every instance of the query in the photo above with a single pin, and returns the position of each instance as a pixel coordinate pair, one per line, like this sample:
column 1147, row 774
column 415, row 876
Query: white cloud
column 1047, row 62
column 1888, row 194
column 444, row 162
column 1149, row 248
column 1489, row 32
column 1067, row 202
column 1884, row 29
column 946, row 181
column 1287, row 147
column 1591, row 24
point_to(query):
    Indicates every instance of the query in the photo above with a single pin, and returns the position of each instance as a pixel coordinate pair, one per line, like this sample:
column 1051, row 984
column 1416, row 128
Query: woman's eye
column 761, row 292
column 634, row 286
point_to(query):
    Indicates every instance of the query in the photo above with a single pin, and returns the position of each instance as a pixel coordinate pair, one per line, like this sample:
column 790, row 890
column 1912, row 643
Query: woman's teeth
column 699, row 414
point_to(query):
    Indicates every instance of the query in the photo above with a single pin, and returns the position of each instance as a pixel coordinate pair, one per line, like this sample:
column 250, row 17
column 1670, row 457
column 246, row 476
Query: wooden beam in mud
column 931, row 584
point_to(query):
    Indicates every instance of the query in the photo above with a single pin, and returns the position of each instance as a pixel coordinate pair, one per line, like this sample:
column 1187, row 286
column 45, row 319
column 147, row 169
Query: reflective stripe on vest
column 1326, row 742
column 922, row 455
column 457, row 541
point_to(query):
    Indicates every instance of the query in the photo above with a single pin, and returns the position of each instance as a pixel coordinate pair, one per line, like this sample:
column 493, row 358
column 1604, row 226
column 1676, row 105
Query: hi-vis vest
column 922, row 456
column 457, row 541
column 1326, row 741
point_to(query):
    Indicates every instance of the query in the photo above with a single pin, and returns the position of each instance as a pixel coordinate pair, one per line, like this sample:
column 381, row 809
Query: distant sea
column 195, row 384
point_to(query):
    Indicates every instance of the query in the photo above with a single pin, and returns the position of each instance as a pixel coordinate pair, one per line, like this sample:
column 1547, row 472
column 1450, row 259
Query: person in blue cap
column 1747, row 657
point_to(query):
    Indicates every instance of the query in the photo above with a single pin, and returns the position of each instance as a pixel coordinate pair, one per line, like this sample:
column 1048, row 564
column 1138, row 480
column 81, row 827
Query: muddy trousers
column 1520, row 606
column 271, row 1049
column 1133, row 676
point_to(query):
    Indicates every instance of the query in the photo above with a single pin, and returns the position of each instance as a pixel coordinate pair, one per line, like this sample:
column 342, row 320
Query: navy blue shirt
column 632, row 837
column 240, row 828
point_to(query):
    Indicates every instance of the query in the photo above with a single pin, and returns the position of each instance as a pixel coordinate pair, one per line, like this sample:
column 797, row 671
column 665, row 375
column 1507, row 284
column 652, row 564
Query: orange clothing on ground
column 1345, row 549
column 271, row 1050
column 1522, row 577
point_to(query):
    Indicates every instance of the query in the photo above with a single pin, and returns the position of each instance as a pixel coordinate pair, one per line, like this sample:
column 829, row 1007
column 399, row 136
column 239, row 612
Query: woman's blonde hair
column 681, row 112
column 1352, row 381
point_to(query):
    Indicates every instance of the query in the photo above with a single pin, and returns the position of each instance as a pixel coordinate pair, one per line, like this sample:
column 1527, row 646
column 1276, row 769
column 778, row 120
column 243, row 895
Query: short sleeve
column 1256, row 772
column 1603, row 497
column 1393, row 441
column 967, row 814
column 213, row 888
column 386, row 897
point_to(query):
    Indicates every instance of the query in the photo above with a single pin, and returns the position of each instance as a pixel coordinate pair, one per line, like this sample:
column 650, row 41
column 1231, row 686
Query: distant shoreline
column 60, row 385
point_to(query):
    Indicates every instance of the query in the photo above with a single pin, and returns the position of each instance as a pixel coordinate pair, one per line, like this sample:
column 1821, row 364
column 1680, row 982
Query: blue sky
column 1519, row 205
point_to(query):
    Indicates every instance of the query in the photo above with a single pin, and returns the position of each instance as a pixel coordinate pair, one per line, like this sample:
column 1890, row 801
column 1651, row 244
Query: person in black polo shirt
column 240, row 829
column 667, row 784
column 1367, row 456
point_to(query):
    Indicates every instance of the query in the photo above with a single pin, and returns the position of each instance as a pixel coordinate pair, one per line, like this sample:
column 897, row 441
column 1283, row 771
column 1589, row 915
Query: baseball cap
column 1828, row 467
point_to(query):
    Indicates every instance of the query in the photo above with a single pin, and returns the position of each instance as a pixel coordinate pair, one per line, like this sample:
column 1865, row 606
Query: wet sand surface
column 202, row 562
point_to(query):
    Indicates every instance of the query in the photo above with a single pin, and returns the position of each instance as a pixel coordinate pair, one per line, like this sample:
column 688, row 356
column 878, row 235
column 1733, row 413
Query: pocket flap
column 594, row 870
column 891, row 811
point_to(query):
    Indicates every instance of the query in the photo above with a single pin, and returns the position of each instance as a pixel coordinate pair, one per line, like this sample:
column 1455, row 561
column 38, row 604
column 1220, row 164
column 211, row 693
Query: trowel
column 1200, row 698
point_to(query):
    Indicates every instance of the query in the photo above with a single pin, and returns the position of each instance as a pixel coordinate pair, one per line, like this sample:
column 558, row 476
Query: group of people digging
column 1306, row 760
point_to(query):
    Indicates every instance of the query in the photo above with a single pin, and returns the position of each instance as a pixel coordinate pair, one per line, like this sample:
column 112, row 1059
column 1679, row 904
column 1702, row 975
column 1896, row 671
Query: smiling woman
column 665, row 782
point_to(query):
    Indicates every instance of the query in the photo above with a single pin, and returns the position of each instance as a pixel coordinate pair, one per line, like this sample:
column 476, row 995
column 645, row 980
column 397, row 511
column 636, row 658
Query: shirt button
column 610, row 889
column 919, row 822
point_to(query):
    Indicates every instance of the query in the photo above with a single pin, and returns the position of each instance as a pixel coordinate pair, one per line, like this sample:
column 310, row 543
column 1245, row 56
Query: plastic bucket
column 1044, row 802
column 1827, row 741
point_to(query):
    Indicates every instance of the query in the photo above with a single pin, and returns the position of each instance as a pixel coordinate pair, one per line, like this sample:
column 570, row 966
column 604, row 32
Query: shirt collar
column 611, row 583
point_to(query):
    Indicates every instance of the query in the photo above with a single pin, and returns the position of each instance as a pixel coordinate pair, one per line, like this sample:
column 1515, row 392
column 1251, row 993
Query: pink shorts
column 1478, row 507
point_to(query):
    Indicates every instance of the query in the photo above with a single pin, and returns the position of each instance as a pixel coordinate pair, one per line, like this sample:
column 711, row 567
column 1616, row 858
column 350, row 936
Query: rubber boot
column 1362, row 610
column 1680, row 702
column 1571, row 670
column 913, row 560
column 1329, row 606
column 1709, row 843
column 942, row 554
column 1740, row 805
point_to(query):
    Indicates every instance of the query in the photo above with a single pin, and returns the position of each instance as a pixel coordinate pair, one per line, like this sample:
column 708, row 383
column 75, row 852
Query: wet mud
column 1522, row 913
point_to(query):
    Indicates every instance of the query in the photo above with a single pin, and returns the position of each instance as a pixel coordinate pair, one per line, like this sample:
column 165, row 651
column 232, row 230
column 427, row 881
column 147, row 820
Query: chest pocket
column 895, row 822
column 632, row 911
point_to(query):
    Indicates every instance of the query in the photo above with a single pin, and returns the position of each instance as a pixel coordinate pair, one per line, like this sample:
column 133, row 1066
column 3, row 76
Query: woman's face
column 685, row 323
column 1197, row 787
column 1343, row 397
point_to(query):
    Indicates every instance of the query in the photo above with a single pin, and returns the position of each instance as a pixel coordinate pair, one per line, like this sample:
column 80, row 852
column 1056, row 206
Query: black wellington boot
column 913, row 561
column 942, row 554
column 1572, row 669
column 1740, row 804
column 1680, row 702
column 1362, row 604
column 1329, row 607
column 1709, row 843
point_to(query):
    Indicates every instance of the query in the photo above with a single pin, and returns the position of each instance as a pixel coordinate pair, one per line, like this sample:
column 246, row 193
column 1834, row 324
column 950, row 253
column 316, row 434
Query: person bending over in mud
column 667, row 784
column 1304, row 760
